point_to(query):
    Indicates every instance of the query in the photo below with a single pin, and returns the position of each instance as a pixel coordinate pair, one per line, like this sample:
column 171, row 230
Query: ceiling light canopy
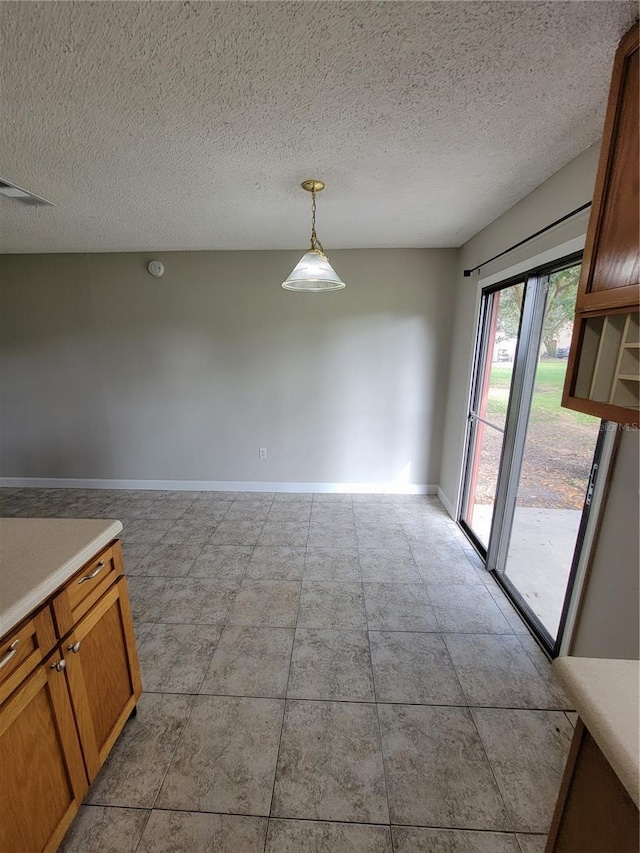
column 313, row 273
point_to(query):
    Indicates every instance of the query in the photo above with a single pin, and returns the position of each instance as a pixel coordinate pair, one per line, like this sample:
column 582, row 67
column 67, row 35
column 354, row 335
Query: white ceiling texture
column 189, row 125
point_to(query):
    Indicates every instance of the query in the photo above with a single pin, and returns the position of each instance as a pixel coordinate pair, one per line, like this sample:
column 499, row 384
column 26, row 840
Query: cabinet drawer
column 23, row 648
column 86, row 587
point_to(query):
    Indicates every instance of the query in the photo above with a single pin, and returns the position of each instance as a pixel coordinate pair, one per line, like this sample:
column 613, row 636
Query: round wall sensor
column 156, row 268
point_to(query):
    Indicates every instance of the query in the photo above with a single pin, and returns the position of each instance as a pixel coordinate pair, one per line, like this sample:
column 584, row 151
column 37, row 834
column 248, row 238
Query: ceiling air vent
column 12, row 191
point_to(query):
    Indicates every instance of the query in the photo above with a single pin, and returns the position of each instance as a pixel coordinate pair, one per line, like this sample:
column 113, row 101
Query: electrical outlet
column 262, row 453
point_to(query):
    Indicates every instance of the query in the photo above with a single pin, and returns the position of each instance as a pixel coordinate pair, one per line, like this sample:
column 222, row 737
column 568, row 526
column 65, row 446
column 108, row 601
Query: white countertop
column 606, row 696
column 37, row 555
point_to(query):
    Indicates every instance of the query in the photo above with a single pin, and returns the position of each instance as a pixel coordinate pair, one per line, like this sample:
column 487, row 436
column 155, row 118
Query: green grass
column 546, row 396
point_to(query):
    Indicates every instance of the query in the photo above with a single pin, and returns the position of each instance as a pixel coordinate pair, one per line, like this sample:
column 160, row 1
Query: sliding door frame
column 516, row 424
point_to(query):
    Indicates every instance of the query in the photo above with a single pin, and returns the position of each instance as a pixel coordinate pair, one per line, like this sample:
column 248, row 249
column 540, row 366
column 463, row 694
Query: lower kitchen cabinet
column 42, row 775
column 103, row 674
column 60, row 721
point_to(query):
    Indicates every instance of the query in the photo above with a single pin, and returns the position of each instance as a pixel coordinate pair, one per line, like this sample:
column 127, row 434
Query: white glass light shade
column 312, row 274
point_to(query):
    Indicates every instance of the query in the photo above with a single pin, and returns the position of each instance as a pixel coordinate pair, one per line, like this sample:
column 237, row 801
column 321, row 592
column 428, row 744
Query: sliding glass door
column 497, row 344
column 531, row 464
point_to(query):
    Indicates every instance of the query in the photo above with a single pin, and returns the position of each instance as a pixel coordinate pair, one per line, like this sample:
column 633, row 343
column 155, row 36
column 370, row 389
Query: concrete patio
column 540, row 556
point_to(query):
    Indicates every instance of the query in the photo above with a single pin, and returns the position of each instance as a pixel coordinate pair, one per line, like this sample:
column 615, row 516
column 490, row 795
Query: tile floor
column 322, row 673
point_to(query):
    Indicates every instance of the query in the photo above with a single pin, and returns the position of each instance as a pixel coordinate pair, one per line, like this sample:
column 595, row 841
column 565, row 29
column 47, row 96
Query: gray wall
column 608, row 624
column 108, row 373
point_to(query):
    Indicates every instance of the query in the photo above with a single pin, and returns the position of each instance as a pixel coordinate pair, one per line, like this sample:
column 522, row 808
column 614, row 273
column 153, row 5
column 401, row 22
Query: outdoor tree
column 561, row 303
column 509, row 313
column 561, row 300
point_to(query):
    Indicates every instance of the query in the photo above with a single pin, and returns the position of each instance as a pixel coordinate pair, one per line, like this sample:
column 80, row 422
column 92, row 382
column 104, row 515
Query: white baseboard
column 221, row 486
column 446, row 503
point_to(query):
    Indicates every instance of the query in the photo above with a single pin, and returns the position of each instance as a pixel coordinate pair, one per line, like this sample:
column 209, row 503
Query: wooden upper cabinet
column 603, row 374
column 611, row 265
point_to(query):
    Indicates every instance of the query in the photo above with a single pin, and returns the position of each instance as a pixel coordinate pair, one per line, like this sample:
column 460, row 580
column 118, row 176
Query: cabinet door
column 42, row 776
column 611, row 264
column 103, row 674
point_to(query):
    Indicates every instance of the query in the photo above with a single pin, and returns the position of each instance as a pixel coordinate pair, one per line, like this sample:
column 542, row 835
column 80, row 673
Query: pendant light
column 313, row 273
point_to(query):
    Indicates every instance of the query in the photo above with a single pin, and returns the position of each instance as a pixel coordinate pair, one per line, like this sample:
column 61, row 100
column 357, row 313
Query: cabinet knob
column 74, row 647
column 59, row 666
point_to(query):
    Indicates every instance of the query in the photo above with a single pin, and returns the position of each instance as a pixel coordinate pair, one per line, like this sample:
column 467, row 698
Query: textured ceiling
column 189, row 125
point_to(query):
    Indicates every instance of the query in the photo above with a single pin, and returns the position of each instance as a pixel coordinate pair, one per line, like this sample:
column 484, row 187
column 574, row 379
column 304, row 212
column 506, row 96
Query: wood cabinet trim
column 71, row 604
column 574, row 749
column 626, row 48
column 616, row 299
column 36, row 638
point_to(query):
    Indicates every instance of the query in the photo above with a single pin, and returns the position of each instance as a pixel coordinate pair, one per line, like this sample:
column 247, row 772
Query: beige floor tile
column 201, row 601
column 527, row 751
column 331, row 664
column 225, row 497
column 445, row 565
column 532, row 843
column 297, row 511
column 390, row 535
column 330, row 764
column 331, row 605
column 413, row 839
column 143, row 532
column 141, row 630
column 340, row 514
column 101, row 829
column 464, row 609
column 229, row 562
column 374, row 513
column 412, row 667
column 293, row 497
column 226, row 758
column 332, row 564
column 167, row 560
column 388, row 565
column 135, row 768
column 159, row 510
column 398, row 607
column 332, row 535
column 250, row 662
column 436, row 769
column 150, row 595
column 304, row 836
column 174, row 658
column 290, row 534
column 332, row 497
column 237, row 533
column 271, row 604
column 206, row 513
column 195, row 832
column 543, row 665
column 495, row 671
column 189, row 532
column 277, row 563
column 255, row 511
